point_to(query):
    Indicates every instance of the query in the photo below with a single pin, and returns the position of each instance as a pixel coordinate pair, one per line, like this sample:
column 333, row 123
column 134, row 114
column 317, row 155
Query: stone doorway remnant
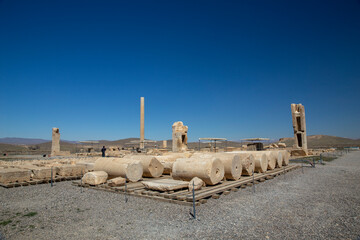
column 299, row 125
column 179, row 137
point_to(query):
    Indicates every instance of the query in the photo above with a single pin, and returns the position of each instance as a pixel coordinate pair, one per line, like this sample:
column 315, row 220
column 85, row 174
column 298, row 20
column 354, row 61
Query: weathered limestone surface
column 165, row 184
column 210, row 170
column 119, row 167
column 179, row 137
column 117, row 182
column 168, row 160
column 247, row 162
column 95, row 178
column 299, row 126
column 89, row 166
column 298, row 152
column 70, row 170
column 285, row 157
column 279, row 158
column 10, row 175
column 164, row 144
column 55, row 144
column 232, row 163
column 282, row 145
column 196, row 184
column 151, row 166
column 271, row 157
column 261, row 162
column 38, row 172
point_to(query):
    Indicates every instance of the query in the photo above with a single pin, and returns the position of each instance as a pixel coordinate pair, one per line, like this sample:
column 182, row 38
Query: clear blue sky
column 225, row 68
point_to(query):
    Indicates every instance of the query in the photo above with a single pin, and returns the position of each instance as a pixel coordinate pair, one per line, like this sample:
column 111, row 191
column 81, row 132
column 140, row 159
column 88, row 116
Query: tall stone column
column 164, row 144
column 55, row 144
column 142, row 127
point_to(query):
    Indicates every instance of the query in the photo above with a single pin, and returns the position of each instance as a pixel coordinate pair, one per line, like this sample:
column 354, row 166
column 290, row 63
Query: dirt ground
column 321, row 203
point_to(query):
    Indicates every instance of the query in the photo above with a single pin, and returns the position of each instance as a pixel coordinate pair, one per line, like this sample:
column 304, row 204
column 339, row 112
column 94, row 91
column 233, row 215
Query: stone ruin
column 299, row 125
column 179, row 137
column 55, row 145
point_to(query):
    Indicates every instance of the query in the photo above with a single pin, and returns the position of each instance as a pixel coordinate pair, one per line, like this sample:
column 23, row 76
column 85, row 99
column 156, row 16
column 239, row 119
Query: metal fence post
column 284, row 172
column 51, row 176
column 82, row 174
column 253, row 180
column 126, row 199
column 302, row 168
column 193, row 191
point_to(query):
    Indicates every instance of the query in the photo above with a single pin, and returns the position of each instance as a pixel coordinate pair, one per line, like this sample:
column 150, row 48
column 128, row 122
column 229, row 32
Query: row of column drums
column 210, row 167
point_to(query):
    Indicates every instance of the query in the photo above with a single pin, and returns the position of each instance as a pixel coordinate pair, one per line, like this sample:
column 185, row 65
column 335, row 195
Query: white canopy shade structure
column 211, row 140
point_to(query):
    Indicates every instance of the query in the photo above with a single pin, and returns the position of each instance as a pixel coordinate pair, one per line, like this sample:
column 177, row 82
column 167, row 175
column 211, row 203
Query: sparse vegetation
column 30, row 214
column 4, row 223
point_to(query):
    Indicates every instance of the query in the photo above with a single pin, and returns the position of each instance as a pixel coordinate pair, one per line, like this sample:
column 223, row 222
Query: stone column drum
column 210, row 170
column 116, row 167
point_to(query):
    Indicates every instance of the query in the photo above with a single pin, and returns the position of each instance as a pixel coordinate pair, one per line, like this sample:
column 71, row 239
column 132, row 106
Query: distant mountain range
column 321, row 141
column 26, row 141
column 43, row 145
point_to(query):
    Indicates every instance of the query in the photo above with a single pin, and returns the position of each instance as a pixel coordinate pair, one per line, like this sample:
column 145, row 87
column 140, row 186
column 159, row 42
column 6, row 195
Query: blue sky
column 225, row 68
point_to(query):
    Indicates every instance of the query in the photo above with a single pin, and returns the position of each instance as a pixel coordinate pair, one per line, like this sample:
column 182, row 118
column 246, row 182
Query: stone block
column 117, row 182
column 70, row 170
column 165, row 184
column 89, row 166
column 95, row 178
column 9, row 175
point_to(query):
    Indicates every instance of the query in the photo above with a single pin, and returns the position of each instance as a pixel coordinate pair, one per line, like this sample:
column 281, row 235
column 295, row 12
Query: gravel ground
column 322, row 203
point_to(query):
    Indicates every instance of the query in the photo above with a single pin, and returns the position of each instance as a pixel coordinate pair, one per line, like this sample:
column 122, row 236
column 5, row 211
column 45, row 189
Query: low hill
column 45, row 148
column 10, row 148
column 324, row 141
column 22, row 141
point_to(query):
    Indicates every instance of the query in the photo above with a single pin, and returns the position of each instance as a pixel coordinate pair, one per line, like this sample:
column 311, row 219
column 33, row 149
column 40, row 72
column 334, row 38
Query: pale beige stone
column 117, row 182
column 55, row 144
column 247, row 162
column 70, row 170
column 196, row 184
column 299, row 126
column 261, row 162
column 285, row 157
column 210, row 170
column 95, row 178
column 279, row 159
column 10, row 175
column 165, row 184
column 271, row 157
column 38, row 172
column 151, row 166
column 298, row 152
column 89, row 166
column 119, row 167
column 282, row 145
column 164, row 144
column 179, row 137
column 232, row 163
column 168, row 160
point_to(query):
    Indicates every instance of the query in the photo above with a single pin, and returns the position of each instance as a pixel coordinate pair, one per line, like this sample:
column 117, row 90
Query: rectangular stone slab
column 165, row 184
column 89, row 166
column 71, row 170
column 38, row 172
column 9, row 175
